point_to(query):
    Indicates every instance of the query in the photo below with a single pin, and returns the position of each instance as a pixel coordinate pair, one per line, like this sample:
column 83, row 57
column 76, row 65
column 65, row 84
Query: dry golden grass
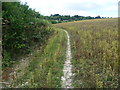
column 95, row 52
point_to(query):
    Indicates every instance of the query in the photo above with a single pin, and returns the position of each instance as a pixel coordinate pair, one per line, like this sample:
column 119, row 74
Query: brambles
column 94, row 46
column 23, row 29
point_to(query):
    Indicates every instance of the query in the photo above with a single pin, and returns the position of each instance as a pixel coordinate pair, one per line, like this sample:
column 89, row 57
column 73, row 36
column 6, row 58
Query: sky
column 104, row 8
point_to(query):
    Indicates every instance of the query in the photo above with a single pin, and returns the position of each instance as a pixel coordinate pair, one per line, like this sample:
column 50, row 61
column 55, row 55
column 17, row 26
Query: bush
column 22, row 28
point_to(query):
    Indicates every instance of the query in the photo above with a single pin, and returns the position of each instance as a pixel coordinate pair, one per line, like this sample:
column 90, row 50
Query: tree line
column 57, row 18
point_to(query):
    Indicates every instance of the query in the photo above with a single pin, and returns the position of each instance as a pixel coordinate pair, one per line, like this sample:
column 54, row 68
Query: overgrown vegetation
column 45, row 68
column 23, row 29
column 94, row 46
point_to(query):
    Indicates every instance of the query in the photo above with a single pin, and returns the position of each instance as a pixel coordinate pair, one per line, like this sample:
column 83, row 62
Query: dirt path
column 67, row 70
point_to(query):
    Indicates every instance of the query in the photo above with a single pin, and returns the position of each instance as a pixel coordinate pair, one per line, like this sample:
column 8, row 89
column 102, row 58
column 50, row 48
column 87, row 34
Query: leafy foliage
column 22, row 28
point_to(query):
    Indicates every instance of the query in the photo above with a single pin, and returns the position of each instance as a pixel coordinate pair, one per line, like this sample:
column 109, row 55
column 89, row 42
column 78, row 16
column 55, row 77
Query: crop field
column 94, row 45
column 57, row 51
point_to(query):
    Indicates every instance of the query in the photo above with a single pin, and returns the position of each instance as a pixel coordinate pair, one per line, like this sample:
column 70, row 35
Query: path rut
column 67, row 70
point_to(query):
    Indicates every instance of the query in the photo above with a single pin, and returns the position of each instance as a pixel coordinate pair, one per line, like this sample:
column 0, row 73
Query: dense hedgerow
column 22, row 29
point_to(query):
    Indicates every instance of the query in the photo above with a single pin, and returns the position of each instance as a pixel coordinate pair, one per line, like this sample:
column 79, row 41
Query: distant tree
column 89, row 17
column 67, row 18
column 98, row 17
column 56, row 15
column 76, row 16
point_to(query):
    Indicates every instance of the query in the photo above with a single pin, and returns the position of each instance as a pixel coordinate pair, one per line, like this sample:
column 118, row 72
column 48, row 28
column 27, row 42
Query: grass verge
column 45, row 68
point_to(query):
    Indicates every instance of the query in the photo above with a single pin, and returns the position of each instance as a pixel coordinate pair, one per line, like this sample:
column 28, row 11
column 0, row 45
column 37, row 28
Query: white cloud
column 73, row 7
column 111, row 8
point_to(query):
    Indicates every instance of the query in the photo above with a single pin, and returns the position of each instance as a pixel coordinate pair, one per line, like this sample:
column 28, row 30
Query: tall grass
column 95, row 52
column 45, row 68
